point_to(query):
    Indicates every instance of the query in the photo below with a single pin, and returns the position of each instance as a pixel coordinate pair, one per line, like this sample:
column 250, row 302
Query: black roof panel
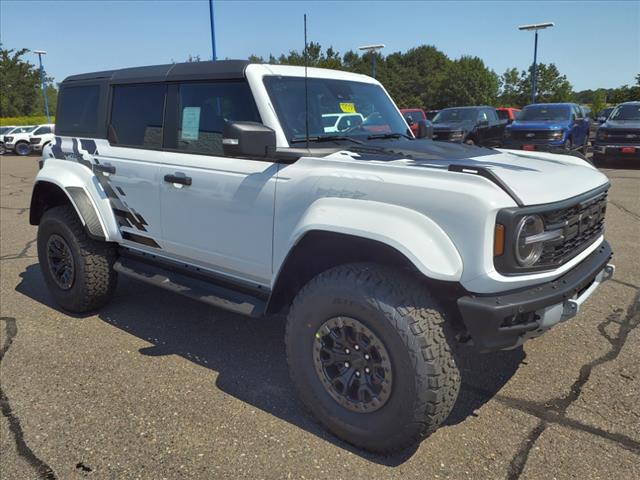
column 222, row 69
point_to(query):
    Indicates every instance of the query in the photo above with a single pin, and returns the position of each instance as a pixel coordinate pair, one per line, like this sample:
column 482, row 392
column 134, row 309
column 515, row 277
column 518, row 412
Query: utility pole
column 372, row 49
column 534, row 74
column 213, row 32
column 44, row 88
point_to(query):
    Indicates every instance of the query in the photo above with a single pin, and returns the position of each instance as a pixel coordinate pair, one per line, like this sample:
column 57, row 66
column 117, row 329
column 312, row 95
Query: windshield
column 456, row 115
column 545, row 112
column 626, row 112
column 4, row 130
column 28, row 129
column 606, row 112
column 370, row 109
column 414, row 115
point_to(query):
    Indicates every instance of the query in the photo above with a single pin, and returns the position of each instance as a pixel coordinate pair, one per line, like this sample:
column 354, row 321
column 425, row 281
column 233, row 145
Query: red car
column 508, row 113
column 413, row 116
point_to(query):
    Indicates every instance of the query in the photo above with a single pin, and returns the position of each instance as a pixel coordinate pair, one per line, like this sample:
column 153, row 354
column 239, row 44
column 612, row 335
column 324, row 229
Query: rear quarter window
column 77, row 112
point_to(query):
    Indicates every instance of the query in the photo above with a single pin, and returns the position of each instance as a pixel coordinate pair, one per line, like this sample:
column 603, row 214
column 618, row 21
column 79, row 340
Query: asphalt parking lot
column 158, row 386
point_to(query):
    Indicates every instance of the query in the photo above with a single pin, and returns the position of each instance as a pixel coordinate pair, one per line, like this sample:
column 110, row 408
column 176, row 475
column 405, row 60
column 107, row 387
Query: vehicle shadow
column 249, row 354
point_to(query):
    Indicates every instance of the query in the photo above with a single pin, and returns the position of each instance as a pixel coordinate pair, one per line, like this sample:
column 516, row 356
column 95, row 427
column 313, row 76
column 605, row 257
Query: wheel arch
column 47, row 194
column 320, row 250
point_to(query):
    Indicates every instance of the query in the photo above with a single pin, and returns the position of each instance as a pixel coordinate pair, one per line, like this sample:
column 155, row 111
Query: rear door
column 128, row 168
column 221, row 216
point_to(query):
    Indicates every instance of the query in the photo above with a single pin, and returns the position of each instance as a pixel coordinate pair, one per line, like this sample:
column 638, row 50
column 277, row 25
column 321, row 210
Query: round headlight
column 527, row 251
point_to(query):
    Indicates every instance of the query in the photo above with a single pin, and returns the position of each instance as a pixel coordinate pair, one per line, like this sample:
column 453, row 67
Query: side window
column 493, row 116
column 482, row 116
column 77, row 112
column 42, row 131
column 136, row 115
column 204, row 108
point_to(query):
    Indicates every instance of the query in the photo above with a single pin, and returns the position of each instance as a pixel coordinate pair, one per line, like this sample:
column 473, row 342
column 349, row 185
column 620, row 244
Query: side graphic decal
column 82, row 151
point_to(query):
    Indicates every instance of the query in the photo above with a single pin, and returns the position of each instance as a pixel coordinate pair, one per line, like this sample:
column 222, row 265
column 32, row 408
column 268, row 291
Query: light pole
column 372, row 49
column 213, row 33
column 535, row 27
column 44, row 90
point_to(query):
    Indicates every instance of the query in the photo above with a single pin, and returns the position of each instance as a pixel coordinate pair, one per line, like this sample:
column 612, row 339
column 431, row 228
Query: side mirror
column 248, row 139
column 483, row 123
column 410, row 121
column 425, row 130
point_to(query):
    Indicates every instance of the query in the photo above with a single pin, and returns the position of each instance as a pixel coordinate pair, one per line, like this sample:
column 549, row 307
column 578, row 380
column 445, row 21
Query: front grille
column 8, row 139
column 581, row 225
column 532, row 134
column 623, row 136
column 441, row 134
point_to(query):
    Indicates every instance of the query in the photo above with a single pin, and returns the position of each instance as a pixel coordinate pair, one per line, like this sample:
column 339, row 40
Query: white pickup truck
column 219, row 181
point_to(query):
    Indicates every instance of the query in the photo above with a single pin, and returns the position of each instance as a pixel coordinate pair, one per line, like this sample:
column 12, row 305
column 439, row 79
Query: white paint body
column 242, row 217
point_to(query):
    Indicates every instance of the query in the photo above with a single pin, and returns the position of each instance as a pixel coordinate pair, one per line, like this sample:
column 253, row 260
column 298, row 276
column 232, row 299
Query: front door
column 217, row 211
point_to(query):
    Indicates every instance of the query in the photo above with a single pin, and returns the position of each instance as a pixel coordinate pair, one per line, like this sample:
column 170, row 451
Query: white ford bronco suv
column 219, row 181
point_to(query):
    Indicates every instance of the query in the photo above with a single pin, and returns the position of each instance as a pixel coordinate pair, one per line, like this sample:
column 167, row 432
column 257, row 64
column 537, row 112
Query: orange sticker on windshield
column 347, row 107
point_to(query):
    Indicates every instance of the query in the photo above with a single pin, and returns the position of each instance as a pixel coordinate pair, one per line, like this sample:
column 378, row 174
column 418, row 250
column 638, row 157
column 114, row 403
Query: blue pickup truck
column 549, row 126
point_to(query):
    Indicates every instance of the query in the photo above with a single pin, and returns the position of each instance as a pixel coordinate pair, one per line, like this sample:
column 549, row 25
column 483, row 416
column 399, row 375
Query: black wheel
column 78, row 271
column 370, row 354
column 22, row 149
column 2, row 150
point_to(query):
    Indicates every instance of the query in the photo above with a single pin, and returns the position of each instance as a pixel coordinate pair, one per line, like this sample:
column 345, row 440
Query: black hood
column 419, row 149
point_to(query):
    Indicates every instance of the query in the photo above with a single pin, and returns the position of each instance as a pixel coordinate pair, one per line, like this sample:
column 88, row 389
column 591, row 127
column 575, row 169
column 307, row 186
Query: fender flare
column 411, row 233
column 78, row 197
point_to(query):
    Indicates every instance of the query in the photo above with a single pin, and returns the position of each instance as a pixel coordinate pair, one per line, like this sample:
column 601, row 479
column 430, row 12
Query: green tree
column 19, row 84
column 469, row 82
column 551, row 85
column 510, row 95
column 598, row 101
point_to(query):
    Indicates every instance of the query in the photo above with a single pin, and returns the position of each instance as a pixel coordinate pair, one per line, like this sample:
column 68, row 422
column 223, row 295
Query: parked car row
column 25, row 139
column 537, row 127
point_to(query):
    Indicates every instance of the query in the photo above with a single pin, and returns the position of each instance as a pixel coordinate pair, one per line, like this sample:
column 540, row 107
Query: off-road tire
column 22, row 153
column 413, row 328
column 95, row 279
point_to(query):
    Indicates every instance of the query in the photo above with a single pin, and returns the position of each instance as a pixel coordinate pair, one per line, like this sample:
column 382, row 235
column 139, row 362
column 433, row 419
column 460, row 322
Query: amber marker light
column 498, row 240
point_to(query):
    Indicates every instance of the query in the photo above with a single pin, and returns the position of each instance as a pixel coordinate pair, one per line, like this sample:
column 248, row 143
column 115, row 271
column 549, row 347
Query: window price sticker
column 190, row 123
column 347, row 107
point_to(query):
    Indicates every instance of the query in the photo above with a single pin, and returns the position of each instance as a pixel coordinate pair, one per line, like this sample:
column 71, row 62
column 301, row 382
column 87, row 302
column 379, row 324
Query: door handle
column 104, row 168
column 178, row 178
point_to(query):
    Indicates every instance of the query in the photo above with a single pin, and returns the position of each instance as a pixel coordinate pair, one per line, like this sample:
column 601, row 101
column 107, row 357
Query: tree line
column 421, row 77
column 427, row 78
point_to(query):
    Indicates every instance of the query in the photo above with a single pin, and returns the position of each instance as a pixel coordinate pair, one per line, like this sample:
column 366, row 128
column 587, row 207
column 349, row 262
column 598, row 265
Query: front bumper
column 499, row 322
column 538, row 145
column 448, row 136
column 615, row 151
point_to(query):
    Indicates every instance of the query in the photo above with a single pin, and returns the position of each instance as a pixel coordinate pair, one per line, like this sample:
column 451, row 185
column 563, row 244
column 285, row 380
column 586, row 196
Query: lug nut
column 356, row 347
column 367, row 370
column 357, row 373
column 347, row 351
column 366, row 356
column 346, row 364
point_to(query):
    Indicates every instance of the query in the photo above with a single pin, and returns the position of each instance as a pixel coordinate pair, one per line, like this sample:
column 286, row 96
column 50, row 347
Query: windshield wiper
column 388, row 135
column 326, row 138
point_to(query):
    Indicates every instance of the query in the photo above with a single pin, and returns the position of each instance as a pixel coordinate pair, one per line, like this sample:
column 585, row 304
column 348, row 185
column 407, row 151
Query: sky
column 595, row 43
